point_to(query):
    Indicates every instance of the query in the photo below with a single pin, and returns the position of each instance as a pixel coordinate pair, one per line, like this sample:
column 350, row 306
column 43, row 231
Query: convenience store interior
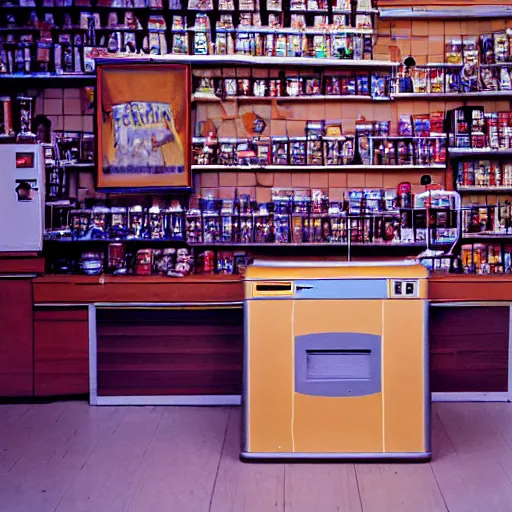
column 304, row 133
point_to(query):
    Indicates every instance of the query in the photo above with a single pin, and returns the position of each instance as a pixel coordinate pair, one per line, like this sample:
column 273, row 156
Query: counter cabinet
column 160, row 337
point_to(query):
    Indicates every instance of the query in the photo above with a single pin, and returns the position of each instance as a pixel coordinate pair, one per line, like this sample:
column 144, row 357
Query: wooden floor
column 69, row 457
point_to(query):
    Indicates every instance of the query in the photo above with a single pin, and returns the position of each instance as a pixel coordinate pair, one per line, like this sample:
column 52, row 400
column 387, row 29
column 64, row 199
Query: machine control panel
column 404, row 289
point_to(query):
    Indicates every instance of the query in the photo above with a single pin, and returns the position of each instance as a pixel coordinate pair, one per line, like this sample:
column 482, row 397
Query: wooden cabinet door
column 16, row 337
column 61, row 351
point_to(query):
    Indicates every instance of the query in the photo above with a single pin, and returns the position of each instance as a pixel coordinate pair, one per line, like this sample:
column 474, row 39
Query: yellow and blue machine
column 336, row 361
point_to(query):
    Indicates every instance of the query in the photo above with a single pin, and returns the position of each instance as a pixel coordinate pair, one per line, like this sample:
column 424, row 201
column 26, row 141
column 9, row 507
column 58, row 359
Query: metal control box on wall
column 336, row 361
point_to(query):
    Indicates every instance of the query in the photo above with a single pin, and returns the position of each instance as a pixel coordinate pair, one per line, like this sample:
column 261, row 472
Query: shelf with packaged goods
column 333, row 245
column 310, row 168
column 47, row 80
column 484, row 190
column 475, row 153
column 433, row 12
column 480, row 237
column 79, row 165
column 451, row 95
column 211, row 98
column 103, row 241
column 246, row 60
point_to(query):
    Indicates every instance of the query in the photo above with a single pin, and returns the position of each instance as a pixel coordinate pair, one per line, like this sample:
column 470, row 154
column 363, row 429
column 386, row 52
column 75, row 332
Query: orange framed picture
column 143, row 125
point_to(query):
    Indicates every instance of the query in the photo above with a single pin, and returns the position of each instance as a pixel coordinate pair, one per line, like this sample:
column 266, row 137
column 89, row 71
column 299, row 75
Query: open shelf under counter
column 312, row 168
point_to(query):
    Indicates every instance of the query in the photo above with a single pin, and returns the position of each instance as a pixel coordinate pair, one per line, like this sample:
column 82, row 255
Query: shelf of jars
column 309, row 168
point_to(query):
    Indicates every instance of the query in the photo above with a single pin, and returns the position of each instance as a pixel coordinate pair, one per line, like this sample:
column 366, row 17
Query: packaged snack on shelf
column 363, row 133
column 320, row 22
column 332, row 150
column 175, row 5
column 294, row 43
column 275, row 5
column 452, row 81
column 226, row 5
column 380, row 85
column 507, row 174
column 421, row 125
column 489, row 79
column 436, row 80
column 180, row 43
column 280, row 147
column 320, row 46
column 364, row 21
column 469, row 78
column 294, row 86
column 501, row 47
column 312, row 86
column 347, row 149
column 297, row 5
column 339, row 21
column 259, row 87
column 314, row 133
column 227, row 151
column 363, row 84
column 420, row 80
column 348, row 83
column 487, row 49
column 341, row 6
column 200, row 5
column 298, row 151
column 454, row 52
column 505, row 79
column 248, row 5
column 263, row 150
column 332, row 86
column 470, row 50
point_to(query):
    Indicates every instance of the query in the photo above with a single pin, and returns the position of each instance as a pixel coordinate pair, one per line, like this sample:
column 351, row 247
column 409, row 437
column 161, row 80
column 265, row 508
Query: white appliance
column 22, row 190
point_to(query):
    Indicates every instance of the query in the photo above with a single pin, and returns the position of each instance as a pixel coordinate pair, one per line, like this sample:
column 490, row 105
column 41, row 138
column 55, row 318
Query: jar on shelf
column 175, row 222
column 101, row 218
column 118, row 222
column 194, row 225
column 210, row 211
column 137, row 222
column 156, row 223
column 79, row 223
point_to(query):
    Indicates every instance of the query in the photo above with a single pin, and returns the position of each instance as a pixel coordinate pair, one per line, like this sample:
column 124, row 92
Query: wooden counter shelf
column 470, row 288
column 74, row 289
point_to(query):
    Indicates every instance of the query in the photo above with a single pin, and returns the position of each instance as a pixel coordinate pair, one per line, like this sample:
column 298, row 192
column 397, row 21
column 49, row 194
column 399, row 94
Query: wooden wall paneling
column 469, row 349
column 61, row 351
column 16, row 338
column 169, row 352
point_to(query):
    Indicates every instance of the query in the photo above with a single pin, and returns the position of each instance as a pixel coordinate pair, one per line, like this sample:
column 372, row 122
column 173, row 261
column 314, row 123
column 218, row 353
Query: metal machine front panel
column 338, row 364
column 337, row 289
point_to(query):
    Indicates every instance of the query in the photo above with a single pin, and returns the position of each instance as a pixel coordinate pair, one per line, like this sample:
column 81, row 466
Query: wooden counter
column 469, row 335
column 140, row 289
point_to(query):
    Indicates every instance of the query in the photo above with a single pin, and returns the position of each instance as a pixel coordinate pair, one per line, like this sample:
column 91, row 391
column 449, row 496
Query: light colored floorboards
column 69, row 457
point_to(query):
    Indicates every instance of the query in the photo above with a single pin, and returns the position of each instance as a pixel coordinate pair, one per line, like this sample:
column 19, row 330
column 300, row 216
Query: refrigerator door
column 22, row 191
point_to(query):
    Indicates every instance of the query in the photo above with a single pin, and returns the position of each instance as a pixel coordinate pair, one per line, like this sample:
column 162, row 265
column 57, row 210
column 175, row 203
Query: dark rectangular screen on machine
column 24, row 160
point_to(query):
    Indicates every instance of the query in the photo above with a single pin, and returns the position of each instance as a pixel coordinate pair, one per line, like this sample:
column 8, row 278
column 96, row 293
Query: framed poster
column 143, row 126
